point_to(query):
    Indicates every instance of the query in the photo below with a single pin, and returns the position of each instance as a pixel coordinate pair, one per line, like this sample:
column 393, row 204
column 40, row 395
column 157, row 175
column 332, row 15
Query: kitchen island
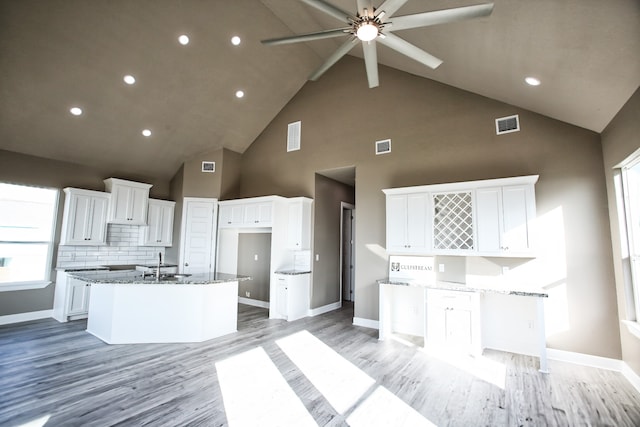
column 127, row 307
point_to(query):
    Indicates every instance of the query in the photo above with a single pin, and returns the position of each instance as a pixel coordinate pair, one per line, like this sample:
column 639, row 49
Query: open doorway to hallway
column 347, row 258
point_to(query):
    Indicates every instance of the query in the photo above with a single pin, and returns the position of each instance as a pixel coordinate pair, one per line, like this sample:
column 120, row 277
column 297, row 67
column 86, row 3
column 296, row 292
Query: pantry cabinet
column 84, row 221
column 299, row 223
column 129, row 201
column 159, row 231
column 476, row 218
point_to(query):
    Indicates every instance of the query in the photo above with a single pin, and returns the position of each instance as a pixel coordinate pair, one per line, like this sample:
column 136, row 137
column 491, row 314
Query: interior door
column 198, row 225
column 348, row 218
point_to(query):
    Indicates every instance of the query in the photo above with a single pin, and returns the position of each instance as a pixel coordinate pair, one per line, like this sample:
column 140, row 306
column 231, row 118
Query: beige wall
column 441, row 134
column 619, row 140
column 23, row 169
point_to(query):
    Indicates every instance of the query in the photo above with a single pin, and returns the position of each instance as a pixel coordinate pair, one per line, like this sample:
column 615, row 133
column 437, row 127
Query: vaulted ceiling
column 57, row 54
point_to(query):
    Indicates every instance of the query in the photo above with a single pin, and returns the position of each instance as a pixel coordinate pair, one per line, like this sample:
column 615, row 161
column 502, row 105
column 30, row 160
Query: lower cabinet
column 71, row 299
column 453, row 320
column 292, row 296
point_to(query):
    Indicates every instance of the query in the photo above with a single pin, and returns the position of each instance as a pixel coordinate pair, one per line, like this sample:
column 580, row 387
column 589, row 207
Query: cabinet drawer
column 450, row 299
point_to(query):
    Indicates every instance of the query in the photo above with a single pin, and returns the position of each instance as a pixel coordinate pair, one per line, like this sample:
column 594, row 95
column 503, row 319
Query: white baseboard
column 325, row 309
column 25, row 317
column 367, row 323
column 253, row 302
column 596, row 362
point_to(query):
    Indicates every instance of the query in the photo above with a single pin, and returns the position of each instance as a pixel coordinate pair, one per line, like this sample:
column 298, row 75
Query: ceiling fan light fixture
column 367, row 31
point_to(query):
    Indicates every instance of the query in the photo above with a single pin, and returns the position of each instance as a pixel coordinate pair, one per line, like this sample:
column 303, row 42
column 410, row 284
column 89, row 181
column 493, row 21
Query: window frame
column 51, row 243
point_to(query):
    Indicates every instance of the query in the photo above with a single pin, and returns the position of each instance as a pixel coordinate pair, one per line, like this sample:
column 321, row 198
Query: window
column 27, row 224
column 630, row 173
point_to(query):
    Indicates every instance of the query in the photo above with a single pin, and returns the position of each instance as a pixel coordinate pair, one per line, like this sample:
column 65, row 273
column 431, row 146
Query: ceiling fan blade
column 440, row 16
column 365, row 5
column 406, row 48
column 371, row 62
column 330, row 9
column 335, row 57
column 389, row 7
column 308, row 37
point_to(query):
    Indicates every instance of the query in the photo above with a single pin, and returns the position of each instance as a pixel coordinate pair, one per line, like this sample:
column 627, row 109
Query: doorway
column 347, row 233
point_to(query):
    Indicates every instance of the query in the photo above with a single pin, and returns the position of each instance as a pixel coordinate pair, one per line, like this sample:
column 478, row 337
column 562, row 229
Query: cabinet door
column 299, row 226
column 397, row 223
column 78, row 218
column 78, row 297
column 516, row 219
column 282, row 297
column 250, row 214
column 129, row 205
column 159, row 232
column 138, row 203
column 489, row 219
column 458, row 328
column 417, row 240
column 97, row 228
column 85, row 219
column 264, row 213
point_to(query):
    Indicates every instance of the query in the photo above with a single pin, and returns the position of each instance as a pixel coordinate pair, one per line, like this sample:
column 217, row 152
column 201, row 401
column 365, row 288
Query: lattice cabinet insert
column 453, row 221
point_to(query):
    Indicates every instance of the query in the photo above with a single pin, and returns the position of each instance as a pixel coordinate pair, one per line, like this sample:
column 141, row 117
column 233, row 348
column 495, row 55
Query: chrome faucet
column 159, row 263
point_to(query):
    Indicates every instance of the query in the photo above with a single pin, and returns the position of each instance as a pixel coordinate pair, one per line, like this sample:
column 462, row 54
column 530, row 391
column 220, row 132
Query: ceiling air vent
column 208, row 166
column 383, row 146
column 293, row 136
column 507, row 125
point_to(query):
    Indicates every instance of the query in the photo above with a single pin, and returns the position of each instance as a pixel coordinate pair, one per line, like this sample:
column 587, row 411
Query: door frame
column 344, row 206
column 214, row 229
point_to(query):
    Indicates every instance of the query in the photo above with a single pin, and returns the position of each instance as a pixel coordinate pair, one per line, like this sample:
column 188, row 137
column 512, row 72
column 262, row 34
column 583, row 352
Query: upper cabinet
column 85, row 217
column 129, row 201
column 407, row 228
column 159, row 231
column 483, row 218
column 299, row 223
column 244, row 213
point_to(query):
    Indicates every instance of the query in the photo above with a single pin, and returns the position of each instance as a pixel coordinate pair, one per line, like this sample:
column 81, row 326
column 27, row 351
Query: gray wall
column 442, row 134
column 23, row 169
column 619, row 140
column 326, row 242
column 250, row 246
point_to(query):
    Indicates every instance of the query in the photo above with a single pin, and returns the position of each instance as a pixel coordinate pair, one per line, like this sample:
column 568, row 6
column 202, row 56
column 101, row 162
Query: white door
column 198, row 228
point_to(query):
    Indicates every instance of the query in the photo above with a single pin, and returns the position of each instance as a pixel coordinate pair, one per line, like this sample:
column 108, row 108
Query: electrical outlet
column 441, row 268
column 505, row 269
column 530, row 324
column 317, row 257
column 255, row 257
column 248, row 294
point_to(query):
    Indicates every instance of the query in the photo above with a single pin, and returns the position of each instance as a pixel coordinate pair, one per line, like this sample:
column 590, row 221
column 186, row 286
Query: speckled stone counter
column 462, row 287
column 293, row 272
column 132, row 277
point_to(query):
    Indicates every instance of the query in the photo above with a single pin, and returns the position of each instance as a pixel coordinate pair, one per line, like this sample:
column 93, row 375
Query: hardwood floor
column 59, row 371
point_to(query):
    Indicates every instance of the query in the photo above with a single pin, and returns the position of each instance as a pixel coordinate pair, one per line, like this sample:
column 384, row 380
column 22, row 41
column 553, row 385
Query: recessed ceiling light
column 146, row 132
column 76, row 111
column 235, row 40
column 129, row 79
column 532, row 81
column 183, row 39
column 239, row 94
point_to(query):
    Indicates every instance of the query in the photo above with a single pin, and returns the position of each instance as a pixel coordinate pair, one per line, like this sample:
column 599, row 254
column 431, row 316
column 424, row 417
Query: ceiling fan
column 371, row 25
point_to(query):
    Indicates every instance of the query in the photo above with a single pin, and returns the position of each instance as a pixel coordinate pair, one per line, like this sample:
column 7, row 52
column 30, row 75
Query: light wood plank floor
column 59, row 371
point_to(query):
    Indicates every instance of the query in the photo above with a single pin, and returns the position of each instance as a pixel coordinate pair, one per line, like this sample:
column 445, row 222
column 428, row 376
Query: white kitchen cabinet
column 505, row 216
column 292, row 296
column 408, row 228
column 453, row 320
column 129, row 201
column 159, row 231
column 299, row 223
column 477, row 218
column 71, row 298
column 245, row 213
column 84, row 220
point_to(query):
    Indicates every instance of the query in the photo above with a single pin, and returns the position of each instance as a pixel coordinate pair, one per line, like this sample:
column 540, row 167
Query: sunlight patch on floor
column 383, row 408
column 255, row 393
column 39, row 422
column 479, row 366
column 340, row 381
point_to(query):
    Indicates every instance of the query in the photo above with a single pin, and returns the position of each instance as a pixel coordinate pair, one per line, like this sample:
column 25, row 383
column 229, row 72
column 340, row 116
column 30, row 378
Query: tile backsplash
column 121, row 248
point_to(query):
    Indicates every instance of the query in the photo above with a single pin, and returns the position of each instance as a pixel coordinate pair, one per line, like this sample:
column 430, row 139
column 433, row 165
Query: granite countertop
column 293, row 272
column 526, row 291
column 133, row 277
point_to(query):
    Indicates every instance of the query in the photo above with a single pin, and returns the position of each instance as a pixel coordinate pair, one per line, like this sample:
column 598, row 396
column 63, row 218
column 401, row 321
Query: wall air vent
column 208, row 166
column 507, row 124
column 383, row 146
column 293, row 136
